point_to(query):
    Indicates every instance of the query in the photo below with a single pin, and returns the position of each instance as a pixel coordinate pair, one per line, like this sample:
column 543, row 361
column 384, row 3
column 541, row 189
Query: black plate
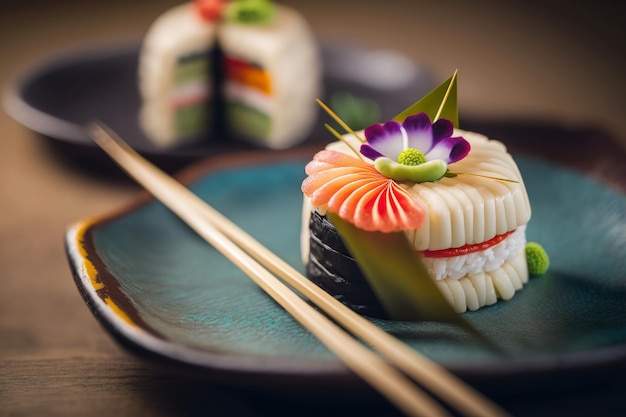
column 61, row 93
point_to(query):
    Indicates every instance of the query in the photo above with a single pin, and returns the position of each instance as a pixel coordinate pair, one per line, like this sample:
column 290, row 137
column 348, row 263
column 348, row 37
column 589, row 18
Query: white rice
column 490, row 259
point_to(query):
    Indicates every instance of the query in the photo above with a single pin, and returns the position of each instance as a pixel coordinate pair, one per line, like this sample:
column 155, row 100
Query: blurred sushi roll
column 242, row 70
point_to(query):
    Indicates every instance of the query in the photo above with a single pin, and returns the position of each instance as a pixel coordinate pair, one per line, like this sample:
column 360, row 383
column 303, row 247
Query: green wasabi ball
column 537, row 259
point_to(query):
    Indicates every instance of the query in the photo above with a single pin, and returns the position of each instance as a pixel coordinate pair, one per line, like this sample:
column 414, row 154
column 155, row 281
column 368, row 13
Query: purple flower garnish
column 433, row 140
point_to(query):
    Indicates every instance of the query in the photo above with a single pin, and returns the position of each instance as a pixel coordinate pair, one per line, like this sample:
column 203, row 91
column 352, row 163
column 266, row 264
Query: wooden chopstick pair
column 263, row 267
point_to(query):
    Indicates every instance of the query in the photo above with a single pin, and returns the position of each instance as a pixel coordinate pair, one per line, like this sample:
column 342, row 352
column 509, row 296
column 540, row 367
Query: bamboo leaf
column 440, row 103
column 397, row 275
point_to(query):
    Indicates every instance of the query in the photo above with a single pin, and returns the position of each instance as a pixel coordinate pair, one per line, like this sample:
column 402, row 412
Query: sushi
column 459, row 200
column 246, row 70
column 176, row 72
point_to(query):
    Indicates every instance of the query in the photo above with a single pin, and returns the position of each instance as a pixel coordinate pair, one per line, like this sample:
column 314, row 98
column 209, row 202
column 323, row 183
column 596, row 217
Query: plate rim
column 15, row 105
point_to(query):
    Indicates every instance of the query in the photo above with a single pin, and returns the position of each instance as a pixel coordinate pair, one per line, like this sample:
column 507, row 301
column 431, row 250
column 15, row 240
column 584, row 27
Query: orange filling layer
column 248, row 75
column 464, row 250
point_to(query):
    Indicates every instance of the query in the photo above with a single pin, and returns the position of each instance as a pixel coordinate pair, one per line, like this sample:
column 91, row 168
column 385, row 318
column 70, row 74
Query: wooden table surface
column 517, row 61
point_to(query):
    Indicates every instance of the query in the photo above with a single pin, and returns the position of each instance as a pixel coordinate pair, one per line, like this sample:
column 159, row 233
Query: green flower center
column 411, row 157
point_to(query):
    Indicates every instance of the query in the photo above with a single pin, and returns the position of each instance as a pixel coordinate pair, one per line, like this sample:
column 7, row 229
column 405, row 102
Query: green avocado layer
column 247, row 121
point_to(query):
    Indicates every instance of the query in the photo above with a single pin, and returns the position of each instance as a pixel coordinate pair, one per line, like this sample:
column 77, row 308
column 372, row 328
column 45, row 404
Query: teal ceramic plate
column 167, row 295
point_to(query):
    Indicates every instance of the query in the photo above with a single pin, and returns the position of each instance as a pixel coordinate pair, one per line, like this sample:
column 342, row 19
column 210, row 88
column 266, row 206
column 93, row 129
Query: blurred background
column 554, row 62
column 562, row 61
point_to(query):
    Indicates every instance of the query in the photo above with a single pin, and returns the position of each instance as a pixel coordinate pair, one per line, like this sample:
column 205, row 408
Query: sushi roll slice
column 469, row 229
column 272, row 76
column 240, row 70
column 176, row 77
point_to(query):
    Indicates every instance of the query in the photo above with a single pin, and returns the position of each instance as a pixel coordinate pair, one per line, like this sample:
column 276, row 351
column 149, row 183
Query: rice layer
column 490, row 259
column 474, row 291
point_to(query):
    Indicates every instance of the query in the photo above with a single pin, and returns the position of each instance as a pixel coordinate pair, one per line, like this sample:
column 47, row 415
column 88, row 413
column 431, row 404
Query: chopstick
column 261, row 265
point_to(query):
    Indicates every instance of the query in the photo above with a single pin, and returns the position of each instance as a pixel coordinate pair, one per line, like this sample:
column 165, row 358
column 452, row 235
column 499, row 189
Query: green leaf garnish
column 396, row 274
column 440, row 103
